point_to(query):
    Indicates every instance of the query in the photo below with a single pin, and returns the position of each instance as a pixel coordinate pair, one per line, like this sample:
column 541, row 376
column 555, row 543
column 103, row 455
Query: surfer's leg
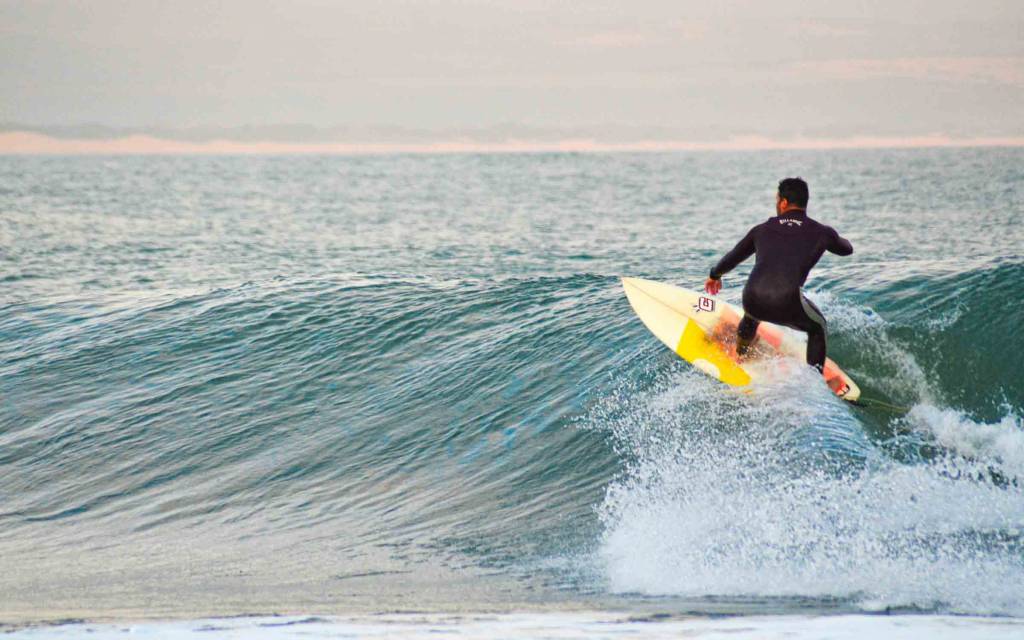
column 745, row 333
column 816, row 349
column 813, row 323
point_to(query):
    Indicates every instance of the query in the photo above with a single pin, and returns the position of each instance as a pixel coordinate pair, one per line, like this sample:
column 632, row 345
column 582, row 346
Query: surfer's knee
column 815, row 320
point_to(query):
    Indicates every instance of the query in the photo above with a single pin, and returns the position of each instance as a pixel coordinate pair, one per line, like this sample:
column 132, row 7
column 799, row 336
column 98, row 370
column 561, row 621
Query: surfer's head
column 793, row 194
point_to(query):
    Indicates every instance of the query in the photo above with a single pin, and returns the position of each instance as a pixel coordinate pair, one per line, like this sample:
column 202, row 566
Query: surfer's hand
column 713, row 285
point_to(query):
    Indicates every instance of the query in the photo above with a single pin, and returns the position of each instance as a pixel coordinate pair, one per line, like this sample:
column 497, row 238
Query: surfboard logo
column 704, row 303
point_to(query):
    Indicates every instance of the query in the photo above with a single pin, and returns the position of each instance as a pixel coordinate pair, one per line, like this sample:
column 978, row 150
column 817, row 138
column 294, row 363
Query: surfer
column 787, row 247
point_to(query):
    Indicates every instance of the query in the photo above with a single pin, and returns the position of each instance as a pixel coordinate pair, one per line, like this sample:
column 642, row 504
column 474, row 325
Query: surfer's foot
column 748, row 349
column 838, row 387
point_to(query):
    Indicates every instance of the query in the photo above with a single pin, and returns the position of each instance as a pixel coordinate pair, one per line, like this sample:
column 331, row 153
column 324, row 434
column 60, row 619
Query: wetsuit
column 787, row 247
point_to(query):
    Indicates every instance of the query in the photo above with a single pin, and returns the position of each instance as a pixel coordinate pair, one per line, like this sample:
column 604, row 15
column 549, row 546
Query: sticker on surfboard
column 704, row 303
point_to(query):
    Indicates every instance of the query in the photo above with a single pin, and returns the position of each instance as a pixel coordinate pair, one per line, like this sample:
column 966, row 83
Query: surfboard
column 701, row 329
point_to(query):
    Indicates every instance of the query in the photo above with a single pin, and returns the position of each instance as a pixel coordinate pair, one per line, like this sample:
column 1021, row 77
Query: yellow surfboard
column 701, row 329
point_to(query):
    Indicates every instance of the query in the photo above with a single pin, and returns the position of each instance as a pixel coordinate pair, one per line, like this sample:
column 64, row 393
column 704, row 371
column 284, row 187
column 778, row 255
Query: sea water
column 353, row 385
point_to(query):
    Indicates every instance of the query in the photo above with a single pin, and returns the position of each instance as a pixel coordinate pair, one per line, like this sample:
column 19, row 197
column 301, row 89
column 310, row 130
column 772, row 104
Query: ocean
column 412, row 385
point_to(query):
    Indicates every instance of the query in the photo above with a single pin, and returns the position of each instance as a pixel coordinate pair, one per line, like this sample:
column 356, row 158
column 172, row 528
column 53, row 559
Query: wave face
column 238, row 384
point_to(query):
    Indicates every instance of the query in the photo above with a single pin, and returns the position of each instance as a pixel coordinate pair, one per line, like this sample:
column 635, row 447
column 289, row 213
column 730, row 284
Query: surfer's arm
column 743, row 250
column 838, row 244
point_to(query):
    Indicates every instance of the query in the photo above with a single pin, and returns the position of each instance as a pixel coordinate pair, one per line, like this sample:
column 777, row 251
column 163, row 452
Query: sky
column 430, row 71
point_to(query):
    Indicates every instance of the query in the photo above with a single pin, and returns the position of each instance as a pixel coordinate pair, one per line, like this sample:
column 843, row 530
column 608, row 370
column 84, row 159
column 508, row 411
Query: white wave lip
column 1001, row 442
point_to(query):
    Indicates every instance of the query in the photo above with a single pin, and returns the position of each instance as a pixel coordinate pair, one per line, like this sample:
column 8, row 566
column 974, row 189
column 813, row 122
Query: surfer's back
column 788, row 246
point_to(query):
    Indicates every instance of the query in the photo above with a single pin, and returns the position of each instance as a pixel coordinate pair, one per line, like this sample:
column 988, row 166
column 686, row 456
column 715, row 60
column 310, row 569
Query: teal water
column 238, row 384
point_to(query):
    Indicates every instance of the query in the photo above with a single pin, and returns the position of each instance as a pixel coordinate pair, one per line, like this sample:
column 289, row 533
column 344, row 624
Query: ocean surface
column 349, row 385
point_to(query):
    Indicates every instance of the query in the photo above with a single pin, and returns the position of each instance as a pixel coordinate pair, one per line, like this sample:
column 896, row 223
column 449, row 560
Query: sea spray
column 777, row 493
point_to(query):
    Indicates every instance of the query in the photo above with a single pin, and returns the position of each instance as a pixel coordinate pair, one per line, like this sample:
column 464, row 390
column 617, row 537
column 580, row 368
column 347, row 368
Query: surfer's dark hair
column 795, row 190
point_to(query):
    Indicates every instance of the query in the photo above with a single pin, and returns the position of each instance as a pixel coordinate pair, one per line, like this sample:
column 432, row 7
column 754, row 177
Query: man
column 787, row 247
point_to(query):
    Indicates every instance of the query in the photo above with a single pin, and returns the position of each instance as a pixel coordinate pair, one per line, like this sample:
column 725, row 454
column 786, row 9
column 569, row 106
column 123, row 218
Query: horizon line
column 25, row 143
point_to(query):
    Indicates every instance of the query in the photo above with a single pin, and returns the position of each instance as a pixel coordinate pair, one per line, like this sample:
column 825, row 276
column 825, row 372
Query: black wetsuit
column 787, row 247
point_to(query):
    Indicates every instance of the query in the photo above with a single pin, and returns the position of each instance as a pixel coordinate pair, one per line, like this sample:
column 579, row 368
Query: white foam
column 736, row 495
column 842, row 316
column 577, row 624
column 1000, row 443
column 887, row 364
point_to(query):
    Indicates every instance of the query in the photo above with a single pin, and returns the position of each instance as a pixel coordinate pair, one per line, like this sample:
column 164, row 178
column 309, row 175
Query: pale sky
column 447, row 69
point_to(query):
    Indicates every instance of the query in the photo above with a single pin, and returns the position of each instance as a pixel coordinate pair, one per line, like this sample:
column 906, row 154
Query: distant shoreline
column 31, row 143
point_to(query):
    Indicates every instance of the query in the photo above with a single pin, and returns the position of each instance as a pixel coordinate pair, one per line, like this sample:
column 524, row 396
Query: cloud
column 617, row 39
column 690, row 29
column 659, row 35
column 987, row 70
column 818, row 29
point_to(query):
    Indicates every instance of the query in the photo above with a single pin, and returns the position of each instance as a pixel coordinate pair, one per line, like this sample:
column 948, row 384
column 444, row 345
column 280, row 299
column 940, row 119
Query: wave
column 523, row 423
column 788, row 492
column 412, row 403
